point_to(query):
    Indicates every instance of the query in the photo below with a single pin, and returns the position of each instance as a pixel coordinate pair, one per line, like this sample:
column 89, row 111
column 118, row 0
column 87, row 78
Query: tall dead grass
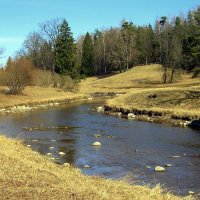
column 25, row 174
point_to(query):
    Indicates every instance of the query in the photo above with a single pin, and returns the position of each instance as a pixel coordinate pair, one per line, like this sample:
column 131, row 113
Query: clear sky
column 19, row 17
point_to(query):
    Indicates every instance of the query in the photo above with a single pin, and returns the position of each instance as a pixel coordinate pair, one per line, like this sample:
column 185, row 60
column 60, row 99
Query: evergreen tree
column 196, row 40
column 87, row 67
column 65, row 50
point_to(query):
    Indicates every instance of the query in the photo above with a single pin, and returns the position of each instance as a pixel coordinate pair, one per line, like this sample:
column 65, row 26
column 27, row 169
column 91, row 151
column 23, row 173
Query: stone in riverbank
column 195, row 124
column 131, row 116
column 100, row 109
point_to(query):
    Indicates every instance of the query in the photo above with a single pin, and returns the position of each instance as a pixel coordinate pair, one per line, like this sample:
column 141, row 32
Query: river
column 130, row 148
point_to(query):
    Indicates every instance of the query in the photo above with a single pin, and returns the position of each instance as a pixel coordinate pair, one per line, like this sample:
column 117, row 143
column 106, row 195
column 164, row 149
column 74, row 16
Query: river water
column 130, row 149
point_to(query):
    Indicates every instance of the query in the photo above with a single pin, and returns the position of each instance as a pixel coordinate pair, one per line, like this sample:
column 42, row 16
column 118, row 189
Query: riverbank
column 173, row 105
column 140, row 91
column 25, row 174
column 34, row 98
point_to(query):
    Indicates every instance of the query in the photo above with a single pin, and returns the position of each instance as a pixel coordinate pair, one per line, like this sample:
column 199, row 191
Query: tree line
column 173, row 43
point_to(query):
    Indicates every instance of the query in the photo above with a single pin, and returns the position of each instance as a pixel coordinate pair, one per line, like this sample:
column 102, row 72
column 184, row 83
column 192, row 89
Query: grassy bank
column 36, row 95
column 25, row 174
column 177, row 103
column 180, row 99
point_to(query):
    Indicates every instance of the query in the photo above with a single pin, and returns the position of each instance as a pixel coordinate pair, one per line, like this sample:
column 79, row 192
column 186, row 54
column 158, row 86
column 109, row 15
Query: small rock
column 100, row 109
column 28, row 145
column 66, row 164
column 61, row 153
column 159, row 169
column 149, row 119
column 96, row 144
column 148, row 167
column 131, row 116
column 168, row 165
column 97, row 135
column 190, row 192
column 34, row 140
column 119, row 114
column 195, row 124
column 175, row 156
column 52, row 158
column 51, row 147
column 48, row 154
column 53, row 140
column 90, row 98
column 86, row 166
column 153, row 96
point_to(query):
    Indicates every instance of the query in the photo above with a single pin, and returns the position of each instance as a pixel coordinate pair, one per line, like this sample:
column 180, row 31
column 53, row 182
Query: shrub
column 43, row 78
column 48, row 79
column 2, row 72
column 196, row 72
column 68, row 84
column 18, row 74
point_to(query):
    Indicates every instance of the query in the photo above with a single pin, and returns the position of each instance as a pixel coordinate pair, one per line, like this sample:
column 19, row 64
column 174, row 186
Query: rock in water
column 86, row 166
column 100, row 109
column 96, row 144
column 168, row 165
column 131, row 116
column 61, row 153
column 159, row 169
column 190, row 192
column 195, row 124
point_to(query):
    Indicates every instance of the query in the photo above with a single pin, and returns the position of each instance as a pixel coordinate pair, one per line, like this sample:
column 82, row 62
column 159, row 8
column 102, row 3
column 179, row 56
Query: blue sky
column 19, row 17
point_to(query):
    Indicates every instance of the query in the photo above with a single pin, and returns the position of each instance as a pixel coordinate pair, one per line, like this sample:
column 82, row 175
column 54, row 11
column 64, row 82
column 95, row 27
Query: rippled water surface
column 128, row 146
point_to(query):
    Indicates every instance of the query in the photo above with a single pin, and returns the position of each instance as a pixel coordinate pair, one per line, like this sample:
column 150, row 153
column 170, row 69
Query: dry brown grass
column 179, row 99
column 36, row 95
column 136, row 78
column 24, row 174
column 174, row 102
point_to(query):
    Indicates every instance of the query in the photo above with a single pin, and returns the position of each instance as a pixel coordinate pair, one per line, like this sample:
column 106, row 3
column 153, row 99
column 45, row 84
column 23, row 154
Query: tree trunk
column 172, row 75
column 146, row 61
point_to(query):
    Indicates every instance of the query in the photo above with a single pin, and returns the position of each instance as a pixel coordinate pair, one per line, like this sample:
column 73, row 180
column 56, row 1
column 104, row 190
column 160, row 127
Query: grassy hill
column 180, row 99
column 135, row 78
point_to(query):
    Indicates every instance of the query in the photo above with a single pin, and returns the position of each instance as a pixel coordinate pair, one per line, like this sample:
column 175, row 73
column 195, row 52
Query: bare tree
column 51, row 29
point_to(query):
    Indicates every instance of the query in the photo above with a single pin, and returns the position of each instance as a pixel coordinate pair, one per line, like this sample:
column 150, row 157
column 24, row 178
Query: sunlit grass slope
column 35, row 95
column 138, row 77
column 25, row 174
column 178, row 99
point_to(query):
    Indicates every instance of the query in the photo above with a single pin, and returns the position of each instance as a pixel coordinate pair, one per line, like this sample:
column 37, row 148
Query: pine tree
column 87, row 67
column 196, row 42
column 65, row 50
